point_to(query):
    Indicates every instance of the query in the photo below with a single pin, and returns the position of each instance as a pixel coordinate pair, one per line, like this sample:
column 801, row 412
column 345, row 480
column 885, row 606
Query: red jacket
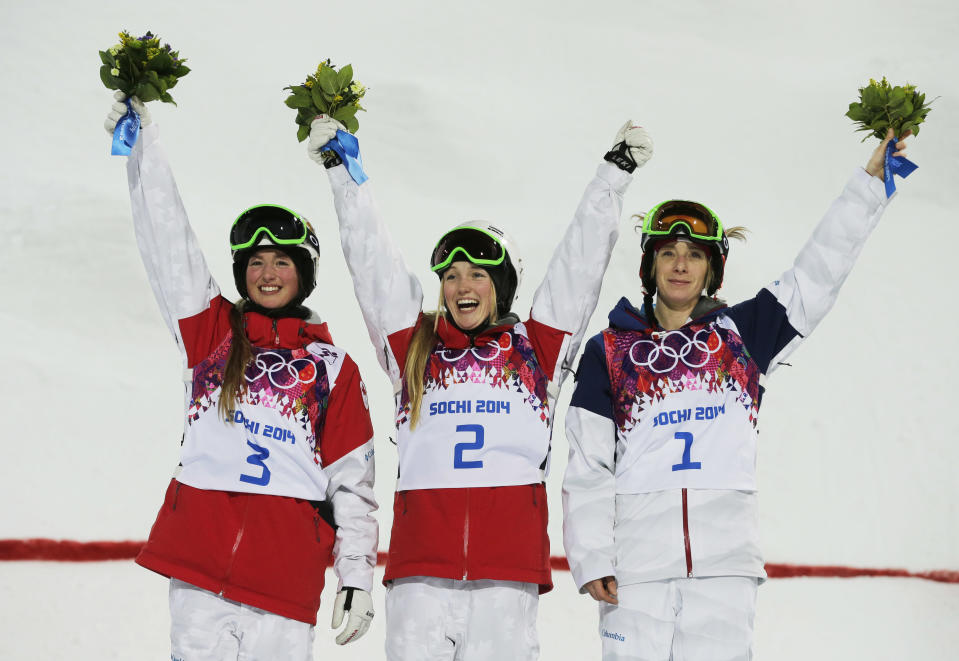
column 479, row 531
column 263, row 550
column 246, row 528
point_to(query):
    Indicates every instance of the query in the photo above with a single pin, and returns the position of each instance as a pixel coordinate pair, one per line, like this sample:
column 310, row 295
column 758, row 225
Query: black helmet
column 673, row 219
column 277, row 227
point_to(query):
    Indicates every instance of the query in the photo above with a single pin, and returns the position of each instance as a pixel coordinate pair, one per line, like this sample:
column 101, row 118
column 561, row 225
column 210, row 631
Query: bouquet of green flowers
column 328, row 91
column 882, row 106
column 142, row 67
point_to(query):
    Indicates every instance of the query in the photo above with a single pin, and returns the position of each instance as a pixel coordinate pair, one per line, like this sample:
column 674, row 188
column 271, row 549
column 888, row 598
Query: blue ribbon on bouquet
column 126, row 132
column 347, row 147
column 896, row 165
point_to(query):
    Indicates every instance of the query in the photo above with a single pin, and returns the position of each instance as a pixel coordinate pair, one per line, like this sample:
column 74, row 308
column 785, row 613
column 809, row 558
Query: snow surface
column 496, row 110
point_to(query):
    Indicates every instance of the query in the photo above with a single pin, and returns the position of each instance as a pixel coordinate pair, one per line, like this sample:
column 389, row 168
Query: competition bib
column 698, row 441
column 484, row 420
column 268, row 444
column 473, row 436
column 686, row 409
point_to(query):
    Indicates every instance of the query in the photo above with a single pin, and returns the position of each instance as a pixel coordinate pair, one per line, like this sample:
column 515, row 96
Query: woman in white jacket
column 659, row 498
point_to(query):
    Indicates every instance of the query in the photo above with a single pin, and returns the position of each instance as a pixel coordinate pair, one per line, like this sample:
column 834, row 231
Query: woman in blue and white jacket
column 659, row 499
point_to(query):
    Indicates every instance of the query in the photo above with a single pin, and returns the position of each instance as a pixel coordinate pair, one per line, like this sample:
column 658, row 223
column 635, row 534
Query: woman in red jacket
column 476, row 389
column 276, row 472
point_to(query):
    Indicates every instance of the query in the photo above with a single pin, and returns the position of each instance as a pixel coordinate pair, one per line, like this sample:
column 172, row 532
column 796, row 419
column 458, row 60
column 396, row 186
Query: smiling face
column 271, row 278
column 680, row 268
column 468, row 294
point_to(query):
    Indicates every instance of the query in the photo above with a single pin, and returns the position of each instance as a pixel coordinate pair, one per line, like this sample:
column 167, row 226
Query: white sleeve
column 357, row 534
column 566, row 298
column 589, row 496
column 809, row 289
column 175, row 265
column 390, row 297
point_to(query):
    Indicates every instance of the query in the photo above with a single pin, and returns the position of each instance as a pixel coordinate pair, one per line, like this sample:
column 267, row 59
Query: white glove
column 638, row 142
column 119, row 109
column 359, row 604
column 322, row 129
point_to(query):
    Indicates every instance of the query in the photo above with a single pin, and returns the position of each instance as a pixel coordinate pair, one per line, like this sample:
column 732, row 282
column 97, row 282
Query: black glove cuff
column 331, row 159
column 619, row 156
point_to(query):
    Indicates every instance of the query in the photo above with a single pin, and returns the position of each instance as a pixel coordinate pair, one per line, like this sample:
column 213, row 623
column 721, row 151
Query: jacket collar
column 626, row 316
column 454, row 338
column 284, row 332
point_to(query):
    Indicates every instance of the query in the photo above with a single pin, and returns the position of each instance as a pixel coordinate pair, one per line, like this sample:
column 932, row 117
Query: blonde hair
column 425, row 337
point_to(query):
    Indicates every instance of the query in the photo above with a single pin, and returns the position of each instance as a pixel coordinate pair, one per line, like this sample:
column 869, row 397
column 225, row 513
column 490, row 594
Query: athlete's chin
column 466, row 325
column 467, row 321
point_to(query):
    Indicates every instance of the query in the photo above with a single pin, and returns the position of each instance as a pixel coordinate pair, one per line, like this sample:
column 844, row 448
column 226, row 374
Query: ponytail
column 241, row 352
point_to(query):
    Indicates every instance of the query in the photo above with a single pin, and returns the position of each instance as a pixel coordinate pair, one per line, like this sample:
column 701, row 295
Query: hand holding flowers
column 142, row 67
column 890, row 113
column 327, row 92
column 330, row 99
column 141, row 70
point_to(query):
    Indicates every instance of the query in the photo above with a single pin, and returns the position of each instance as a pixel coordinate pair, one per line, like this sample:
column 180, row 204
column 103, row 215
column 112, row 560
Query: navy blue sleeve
column 592, row 390
column 764, row 327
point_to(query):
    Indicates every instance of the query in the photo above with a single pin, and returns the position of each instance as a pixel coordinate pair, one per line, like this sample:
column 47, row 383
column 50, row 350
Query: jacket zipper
column 466, row 537
column 689, row 553
column 236, row 545
column 276, row 334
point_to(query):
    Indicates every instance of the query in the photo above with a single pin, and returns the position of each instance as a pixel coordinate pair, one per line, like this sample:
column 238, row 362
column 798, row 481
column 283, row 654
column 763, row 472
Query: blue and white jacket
column 662, row 427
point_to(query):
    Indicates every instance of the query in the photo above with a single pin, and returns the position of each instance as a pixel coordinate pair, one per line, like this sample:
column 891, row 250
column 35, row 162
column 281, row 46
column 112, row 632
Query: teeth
column 269, row 289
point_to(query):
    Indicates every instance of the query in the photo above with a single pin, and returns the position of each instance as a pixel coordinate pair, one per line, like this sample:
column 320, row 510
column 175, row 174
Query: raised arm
column 389, row 295
column 567, row 296
column 176, row 268
column 773, row 323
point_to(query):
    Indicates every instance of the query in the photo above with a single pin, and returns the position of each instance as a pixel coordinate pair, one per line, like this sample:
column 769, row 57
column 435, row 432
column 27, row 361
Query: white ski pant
column 207, row 627
column 445, row 620
column 681, row 619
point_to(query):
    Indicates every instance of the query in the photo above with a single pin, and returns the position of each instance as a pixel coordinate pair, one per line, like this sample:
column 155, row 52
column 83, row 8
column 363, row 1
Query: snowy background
column 497, row 110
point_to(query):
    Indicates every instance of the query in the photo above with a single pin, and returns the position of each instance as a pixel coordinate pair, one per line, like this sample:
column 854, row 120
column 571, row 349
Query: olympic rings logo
column 481, row 353
column 271, row 363
column 676, row 354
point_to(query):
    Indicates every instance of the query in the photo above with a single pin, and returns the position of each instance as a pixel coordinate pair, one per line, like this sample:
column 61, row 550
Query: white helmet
column 487, row 246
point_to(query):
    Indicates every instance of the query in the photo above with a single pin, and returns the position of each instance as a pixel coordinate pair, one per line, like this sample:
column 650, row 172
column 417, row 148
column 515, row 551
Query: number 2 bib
column 484, row 419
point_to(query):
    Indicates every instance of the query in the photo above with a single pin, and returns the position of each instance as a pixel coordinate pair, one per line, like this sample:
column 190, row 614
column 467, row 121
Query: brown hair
column 241, row 351
column 424, row 338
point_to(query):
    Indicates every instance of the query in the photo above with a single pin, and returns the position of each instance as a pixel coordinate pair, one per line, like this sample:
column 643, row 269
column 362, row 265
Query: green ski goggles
column 283, row 227
column 682, row 217
column 473, row 244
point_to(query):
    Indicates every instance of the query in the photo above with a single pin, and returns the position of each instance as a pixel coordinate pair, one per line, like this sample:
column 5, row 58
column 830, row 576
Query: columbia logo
column 615, row 636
